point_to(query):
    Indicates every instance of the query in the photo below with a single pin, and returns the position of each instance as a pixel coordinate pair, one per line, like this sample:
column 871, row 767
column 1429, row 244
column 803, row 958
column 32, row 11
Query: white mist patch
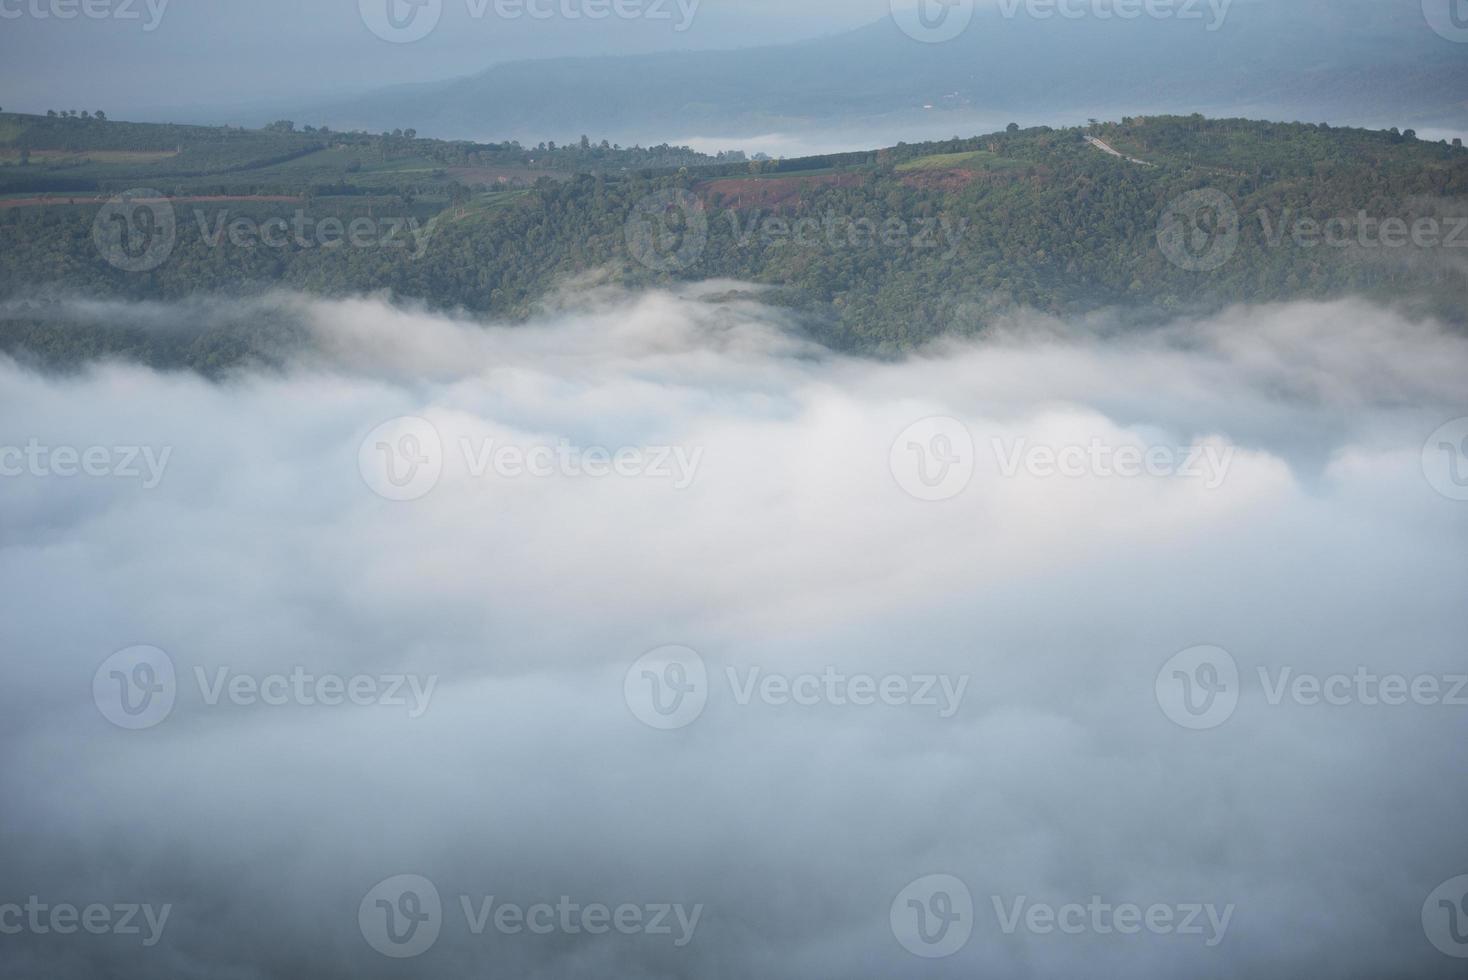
column 884, row 680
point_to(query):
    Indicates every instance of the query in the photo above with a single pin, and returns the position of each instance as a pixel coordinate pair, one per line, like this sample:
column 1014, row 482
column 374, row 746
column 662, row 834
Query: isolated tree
column 100, row 115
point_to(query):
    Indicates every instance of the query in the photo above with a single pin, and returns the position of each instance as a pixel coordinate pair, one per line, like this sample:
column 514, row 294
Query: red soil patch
column 770, row 192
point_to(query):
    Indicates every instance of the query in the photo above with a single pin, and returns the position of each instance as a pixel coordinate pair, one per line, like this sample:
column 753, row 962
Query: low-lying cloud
column 469, row 675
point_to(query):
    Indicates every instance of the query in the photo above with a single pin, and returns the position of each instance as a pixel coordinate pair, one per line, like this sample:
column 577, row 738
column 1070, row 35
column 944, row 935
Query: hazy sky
column 218, row 52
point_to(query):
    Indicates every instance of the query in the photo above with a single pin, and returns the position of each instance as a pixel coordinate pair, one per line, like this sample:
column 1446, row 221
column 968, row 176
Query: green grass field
column 973, row 160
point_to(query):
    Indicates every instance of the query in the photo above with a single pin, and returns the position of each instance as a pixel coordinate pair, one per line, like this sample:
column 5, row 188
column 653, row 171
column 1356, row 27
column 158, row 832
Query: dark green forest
column 876, row 252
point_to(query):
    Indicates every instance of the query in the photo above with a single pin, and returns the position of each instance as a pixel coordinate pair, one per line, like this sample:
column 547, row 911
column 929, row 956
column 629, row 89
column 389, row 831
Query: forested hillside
column 876, row 251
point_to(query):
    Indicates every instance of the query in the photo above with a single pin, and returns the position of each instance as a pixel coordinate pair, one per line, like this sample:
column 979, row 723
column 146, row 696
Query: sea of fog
column 650, row 640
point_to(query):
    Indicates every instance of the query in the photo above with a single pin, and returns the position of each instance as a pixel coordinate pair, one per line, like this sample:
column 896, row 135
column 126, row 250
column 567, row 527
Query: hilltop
column 873, row 251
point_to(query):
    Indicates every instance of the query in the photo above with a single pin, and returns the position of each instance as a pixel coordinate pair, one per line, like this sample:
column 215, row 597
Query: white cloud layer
column 1322, row 547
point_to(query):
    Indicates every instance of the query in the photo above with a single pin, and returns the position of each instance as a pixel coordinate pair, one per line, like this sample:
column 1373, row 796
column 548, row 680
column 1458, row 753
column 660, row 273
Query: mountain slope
column 1287, row 59
column 873, row 251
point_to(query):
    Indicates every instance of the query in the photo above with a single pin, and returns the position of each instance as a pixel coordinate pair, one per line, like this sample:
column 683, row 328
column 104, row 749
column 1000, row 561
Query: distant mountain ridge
column 1283, row 59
